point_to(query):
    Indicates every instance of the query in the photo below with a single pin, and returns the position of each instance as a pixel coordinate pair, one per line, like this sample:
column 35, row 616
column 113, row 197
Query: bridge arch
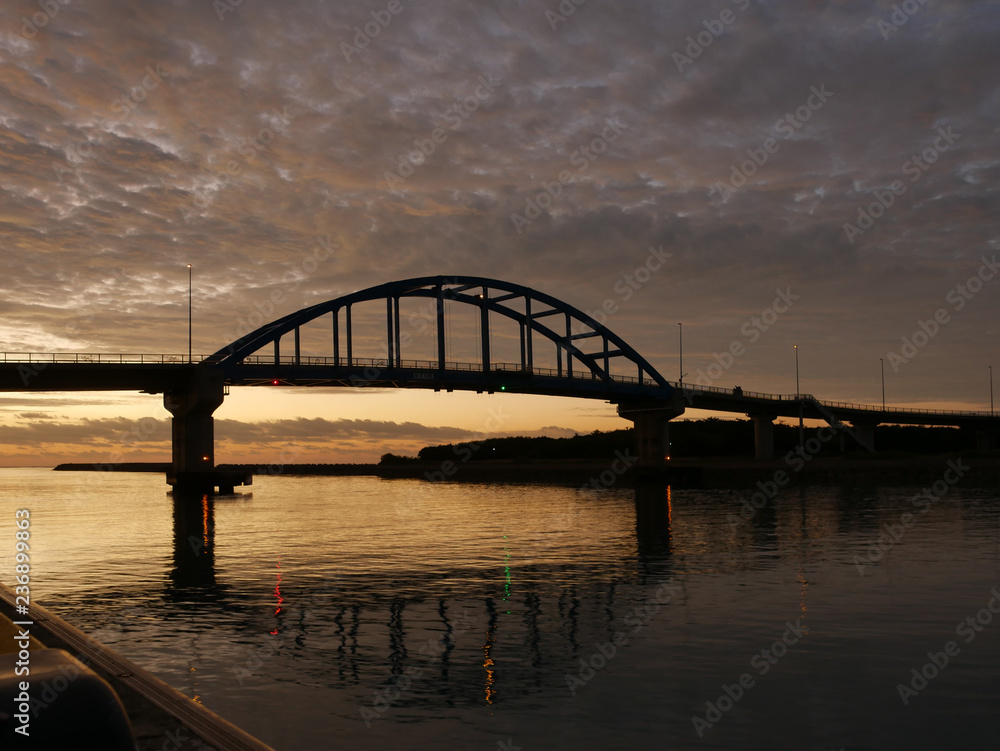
column 530, row 309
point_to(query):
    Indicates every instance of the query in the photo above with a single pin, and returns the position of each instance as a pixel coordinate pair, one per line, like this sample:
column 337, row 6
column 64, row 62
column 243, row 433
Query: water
column 319, row 613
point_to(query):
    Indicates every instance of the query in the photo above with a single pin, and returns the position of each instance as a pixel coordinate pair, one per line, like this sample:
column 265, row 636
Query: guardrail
column 748, row 394
column 828, row 403
column 901, row 410
column 85, row 358
column 432, row 365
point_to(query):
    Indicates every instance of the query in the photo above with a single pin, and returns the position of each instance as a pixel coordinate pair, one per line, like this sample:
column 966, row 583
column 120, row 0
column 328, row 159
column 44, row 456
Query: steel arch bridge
column 591, row 362
column 594, row 371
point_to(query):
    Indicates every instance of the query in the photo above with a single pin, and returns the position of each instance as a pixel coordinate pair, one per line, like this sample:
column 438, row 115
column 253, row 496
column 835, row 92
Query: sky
column 769, row 174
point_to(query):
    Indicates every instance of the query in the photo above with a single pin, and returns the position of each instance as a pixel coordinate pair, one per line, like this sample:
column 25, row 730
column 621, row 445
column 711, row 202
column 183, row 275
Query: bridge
column 590, row 360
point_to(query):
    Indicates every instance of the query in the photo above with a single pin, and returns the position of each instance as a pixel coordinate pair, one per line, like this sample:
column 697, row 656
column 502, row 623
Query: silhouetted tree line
column 691, row 438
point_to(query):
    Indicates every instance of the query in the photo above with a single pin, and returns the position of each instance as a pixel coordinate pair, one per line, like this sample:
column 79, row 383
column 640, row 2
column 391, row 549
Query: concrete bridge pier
column 193, row 435
column 763, row 436
column 986, row 440
column 865, row 433
column 651, row 428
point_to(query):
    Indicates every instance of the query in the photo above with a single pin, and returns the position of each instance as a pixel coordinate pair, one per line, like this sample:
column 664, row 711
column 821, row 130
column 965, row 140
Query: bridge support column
column 651, row 429
column 865, row 433
column 763, row 436
column 986, row 440
column 193, row 435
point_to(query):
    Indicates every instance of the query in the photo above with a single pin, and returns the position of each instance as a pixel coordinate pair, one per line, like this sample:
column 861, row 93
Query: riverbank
column 711, row 472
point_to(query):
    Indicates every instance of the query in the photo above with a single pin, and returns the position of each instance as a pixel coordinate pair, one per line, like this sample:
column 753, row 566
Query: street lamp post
column 680, row 336
column 882, row 366
column 796, row 346
column 797, row 393
column 190, row 309
column 991, row 390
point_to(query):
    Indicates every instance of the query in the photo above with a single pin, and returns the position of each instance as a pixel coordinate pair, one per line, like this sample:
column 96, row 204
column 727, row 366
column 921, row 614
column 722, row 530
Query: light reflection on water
column 466, row 615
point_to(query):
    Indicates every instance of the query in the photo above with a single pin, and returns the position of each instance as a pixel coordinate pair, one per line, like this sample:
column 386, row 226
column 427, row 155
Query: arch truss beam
column 582, row 344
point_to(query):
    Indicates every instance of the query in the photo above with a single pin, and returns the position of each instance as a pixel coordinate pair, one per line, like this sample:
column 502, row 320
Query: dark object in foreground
column 155, row 710
column 80, row 710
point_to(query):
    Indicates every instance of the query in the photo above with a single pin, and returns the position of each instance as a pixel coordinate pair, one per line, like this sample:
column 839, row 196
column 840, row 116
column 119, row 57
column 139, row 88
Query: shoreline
column 692, row 472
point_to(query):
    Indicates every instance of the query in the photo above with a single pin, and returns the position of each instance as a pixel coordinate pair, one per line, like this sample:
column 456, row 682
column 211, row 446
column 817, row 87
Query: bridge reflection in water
column 194, row 543
column 318, row 598
column 360, row 629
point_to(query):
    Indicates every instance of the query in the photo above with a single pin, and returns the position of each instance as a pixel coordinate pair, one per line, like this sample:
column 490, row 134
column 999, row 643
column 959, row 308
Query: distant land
column 710, row 452
column 711, row 437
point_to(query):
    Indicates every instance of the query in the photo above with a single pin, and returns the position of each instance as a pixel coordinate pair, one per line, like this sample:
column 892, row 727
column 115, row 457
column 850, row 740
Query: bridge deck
column 155, row 373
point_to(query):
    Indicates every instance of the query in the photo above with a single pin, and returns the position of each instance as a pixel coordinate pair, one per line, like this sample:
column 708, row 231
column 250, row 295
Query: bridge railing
column 828, row 403
column 432, row 365
column 900, row 410
column 83, row 358
column 730, row 392
column 578, row 374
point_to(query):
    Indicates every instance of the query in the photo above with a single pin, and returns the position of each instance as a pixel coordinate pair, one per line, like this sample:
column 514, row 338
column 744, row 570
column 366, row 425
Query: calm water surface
column 323, row 613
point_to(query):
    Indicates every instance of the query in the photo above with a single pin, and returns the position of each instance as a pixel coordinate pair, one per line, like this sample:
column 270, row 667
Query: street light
column 797, row 392
column 991, row 391
column 190, row 308
column 796, row 346
column 680, row 335
column 882, row 365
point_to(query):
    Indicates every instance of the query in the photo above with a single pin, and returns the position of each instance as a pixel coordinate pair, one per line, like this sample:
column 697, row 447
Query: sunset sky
column 843, row 154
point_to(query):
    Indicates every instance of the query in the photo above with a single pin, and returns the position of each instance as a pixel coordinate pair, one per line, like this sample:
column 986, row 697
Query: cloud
column 38, row 429
column 116, row 178
column 11, row 403
column 103, row 432
column 322, row 430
